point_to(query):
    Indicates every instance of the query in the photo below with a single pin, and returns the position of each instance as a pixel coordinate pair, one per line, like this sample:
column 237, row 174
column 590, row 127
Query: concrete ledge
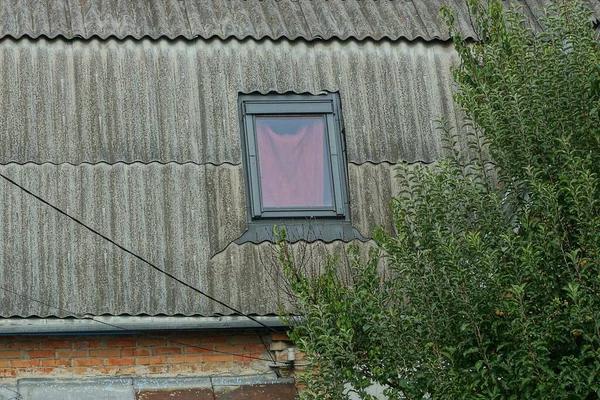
column 264, row 387
column 170, row 383
column 76, row 389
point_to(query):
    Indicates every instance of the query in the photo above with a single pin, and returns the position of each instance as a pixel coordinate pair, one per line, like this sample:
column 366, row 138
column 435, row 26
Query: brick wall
column 136, row 355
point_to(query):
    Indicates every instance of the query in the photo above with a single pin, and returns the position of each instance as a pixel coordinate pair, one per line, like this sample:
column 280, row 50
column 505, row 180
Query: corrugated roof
column 141, row 141
column 166, row 213
column 183, row 218
column 114, row 101
column 291, row 19
column 170, row 214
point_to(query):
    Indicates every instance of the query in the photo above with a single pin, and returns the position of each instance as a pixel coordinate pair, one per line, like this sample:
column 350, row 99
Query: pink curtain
column 292, row 165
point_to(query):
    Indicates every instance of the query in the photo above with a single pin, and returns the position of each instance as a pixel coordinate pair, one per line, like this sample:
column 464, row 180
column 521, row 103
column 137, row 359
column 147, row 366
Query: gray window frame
column 293, row 105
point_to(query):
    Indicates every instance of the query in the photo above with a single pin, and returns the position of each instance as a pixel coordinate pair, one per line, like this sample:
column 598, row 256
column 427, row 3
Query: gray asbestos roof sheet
column 291, row 19
column 182, row 218
column 213, row 18
column 126, row 101
column 141, row 140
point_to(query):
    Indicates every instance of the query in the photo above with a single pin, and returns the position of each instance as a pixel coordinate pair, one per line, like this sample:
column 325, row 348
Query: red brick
column 244, row 339
column 211, row 367
column 247, row 357
column 24, row 363
column 280, row 337
column 182, row 343
column 41, row 353
column 212, row 339
column 198, row 350
column 120, row 361
column 128, row 371
column 255, row 348
column 56, row 363
column 87, row 344
column 86, row 362
column 121, row 343
column 134, row 352
column 151, row 360
column 216, row 358
column 4, row 363
column 82, row 371
column 6, row 372
column 202, row 367
column 228, row 348
column 108, row 370
column 11, row 354
column 158, row 369
column 183, row 368
column 183, row 359
column 56, row 345
column 104, row 353
column 24, row 345
column 151, row 342
column 71, row 353
column 160, row 351
column 45, row 370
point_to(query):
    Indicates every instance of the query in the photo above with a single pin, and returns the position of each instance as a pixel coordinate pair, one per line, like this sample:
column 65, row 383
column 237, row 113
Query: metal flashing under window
column 301, row 230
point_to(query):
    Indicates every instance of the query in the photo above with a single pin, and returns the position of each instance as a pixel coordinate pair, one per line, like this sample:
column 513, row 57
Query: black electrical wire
column 265, row 346
column 125, row 330
column 17, row 396
column 137, row 256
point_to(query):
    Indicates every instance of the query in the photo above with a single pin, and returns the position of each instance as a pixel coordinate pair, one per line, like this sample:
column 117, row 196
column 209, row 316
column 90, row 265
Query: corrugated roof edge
column 104, row 162
column 140, row 315
column 595, row 21
column 127, row 324
column 227, row 37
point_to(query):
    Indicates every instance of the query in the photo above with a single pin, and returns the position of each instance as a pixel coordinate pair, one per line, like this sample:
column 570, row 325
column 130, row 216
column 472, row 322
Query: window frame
column 327, row 106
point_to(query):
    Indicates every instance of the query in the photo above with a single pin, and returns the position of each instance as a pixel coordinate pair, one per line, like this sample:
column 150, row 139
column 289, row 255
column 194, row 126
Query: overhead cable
column 125, row 330
column 180, row 281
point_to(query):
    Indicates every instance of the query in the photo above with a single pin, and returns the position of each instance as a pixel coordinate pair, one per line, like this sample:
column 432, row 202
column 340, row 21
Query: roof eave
column 131, row 324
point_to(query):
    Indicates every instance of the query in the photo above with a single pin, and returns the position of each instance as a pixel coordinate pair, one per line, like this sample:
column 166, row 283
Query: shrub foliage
column 492, row 287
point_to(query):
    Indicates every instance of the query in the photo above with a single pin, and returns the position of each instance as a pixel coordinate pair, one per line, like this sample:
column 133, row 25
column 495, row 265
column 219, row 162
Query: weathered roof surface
column 141, row 140
column 166, row 213
column 126, row 101
column 183, row 218
column 291, row 19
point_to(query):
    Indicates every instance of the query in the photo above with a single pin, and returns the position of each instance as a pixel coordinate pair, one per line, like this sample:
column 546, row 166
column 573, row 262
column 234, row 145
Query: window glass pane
column 293, row 160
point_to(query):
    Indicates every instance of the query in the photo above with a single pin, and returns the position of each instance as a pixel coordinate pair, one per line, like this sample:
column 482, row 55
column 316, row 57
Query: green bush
column 492, row 284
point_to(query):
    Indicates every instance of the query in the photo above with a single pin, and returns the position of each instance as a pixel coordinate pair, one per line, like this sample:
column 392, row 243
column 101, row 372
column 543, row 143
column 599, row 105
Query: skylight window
column 294, row 158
